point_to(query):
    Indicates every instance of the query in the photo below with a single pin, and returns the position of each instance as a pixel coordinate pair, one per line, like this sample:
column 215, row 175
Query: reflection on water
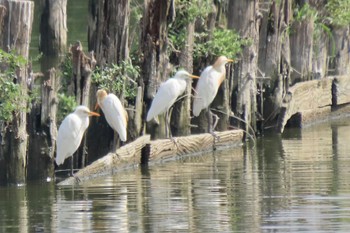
column 297, row 182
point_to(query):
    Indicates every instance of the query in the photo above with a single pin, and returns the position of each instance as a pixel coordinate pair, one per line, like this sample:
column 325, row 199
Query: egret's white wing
column 166, row 96
column 206, row 89
column 116, row 115
column 69, row 137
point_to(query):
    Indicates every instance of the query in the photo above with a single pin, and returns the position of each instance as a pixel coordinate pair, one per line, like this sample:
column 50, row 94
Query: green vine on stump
column 12, row 97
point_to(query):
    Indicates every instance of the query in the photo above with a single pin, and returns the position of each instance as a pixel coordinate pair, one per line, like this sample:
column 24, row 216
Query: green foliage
column 12, row 97
column 66, row 69
column 339, row 12
column 305, row 12
column 119, row 79
column 187, row 11
column 224, row 42
column 66, row 105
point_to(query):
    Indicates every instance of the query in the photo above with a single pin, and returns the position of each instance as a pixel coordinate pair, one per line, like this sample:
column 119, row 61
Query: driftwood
column 143, row 151
column 126, row 156
column 165, row 149
column 305, row 98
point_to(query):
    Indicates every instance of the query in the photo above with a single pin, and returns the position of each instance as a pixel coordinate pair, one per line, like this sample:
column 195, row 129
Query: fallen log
column 144, row 151
column 303, row 97
column 165, row 149
column 125, row 157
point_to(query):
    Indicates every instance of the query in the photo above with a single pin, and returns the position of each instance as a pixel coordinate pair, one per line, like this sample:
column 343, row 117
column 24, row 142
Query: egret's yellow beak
column 230, row 60
column 94, row 114
column 194, row 76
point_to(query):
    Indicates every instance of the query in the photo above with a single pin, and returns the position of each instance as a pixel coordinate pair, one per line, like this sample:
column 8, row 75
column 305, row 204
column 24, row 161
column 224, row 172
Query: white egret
column 207, row 88
column 114, row 112
column 166, row 96
column 71, row 131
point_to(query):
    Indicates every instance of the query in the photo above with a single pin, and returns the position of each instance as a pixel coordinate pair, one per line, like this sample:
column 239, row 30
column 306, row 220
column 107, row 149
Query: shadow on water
column 293, row 182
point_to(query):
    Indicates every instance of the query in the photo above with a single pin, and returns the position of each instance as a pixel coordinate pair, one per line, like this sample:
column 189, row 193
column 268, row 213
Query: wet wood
column 125, row 157
column 303, row 97
column 42, row 141
column 164, row 149
column 144, row 151
column 16, row 31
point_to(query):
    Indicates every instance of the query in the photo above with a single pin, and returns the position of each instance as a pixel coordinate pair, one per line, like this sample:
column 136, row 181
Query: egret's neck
column 220, row 68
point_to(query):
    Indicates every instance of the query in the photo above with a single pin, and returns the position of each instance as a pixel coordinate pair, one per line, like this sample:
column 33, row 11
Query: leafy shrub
column 119, row 79
column 12, row 96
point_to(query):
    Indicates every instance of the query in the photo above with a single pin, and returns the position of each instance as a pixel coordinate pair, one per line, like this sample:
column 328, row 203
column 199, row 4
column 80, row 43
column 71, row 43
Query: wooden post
column 155, row 60
column 301, row 42
column 244, row 19
column 83, row 66
column 53, row 32
column 15, row 36
column 108, row 36
column 42, row 141
column 181, row 116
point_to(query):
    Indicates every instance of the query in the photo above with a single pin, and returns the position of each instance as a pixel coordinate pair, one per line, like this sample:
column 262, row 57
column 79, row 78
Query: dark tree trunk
column 42, row 119
column 43, row 130
column 274, row 58
column 244, row 18
column 83, row 66
column 53, row 32
column 181, row 117
column 108, row 31
column 339, row 49
column 108, row 36
column 201, row 122
column 155, row 61
column 301, row 40
column 15, row 36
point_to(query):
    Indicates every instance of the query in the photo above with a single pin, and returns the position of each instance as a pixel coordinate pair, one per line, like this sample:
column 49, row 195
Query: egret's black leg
column 212, row 125
column 72, row 166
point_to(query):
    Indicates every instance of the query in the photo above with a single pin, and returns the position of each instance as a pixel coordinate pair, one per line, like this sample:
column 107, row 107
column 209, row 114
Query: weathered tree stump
column 245, row 20
column 155, row 60
column 181, row 115
column 83, row 66
column 15, row 36
column 43, row 131
column 108, row 36
column 53, row 32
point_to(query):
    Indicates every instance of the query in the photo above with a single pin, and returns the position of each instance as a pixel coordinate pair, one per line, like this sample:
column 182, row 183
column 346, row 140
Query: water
column 297, row 182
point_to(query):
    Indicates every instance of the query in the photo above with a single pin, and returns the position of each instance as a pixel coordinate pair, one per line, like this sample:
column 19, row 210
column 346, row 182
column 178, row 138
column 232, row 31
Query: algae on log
column 15, row 36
